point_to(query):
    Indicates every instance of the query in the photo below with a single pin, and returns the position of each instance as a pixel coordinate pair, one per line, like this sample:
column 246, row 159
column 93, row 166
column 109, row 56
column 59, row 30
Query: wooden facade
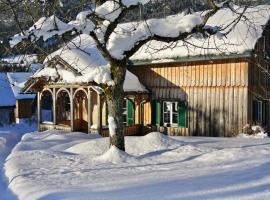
column 24, row 108
column 216, row 93
column 87, row 109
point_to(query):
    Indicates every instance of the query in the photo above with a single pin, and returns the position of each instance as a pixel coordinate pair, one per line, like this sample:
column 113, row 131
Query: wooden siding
column 259, row 76
column 216, row 92
column 23, row 108
column 128, row 131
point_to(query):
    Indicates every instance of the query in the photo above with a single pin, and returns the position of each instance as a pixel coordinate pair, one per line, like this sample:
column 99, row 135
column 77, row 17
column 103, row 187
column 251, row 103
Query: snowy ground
column 9, row 137
column 54, row 166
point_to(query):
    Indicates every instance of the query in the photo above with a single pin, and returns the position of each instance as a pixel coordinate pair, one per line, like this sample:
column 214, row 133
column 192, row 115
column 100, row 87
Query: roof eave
column 246, row 54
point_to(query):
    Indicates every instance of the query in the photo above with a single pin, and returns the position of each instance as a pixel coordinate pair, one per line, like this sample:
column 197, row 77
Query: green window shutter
column 156, row 112
column 130, row 112
column 182, row 114
column 107, row 114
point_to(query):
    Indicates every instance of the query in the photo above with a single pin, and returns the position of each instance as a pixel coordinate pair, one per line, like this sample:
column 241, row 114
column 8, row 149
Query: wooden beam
column 54, row 106
column 39, row 109
column 89, row 110
column 71, row 110
column 99, row 125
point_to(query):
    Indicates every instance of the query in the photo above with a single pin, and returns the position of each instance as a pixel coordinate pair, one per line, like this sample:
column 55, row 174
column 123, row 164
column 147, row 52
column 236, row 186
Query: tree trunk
column 115, row 98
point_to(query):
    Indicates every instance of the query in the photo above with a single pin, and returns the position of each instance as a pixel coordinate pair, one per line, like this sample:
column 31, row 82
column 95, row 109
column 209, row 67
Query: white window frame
column 171, row 124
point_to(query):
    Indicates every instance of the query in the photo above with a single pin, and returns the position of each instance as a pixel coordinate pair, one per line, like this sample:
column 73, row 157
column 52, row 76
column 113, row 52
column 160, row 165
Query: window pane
column 167, row 118
column 167, row 106
column 175, row 118
column 174, row 107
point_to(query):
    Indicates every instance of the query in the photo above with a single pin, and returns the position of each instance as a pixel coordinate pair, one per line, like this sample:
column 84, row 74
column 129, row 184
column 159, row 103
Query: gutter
column 133, row 63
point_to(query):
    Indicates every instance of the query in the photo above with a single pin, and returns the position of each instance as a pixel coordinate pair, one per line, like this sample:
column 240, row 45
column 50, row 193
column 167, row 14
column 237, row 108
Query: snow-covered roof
column 10, row 87
column 17, row 81
column 87, row 63
column 7, row 97
column 240, row 39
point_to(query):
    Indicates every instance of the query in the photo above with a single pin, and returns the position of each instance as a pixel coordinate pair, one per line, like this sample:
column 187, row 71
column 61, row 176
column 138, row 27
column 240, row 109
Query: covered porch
column 84, row 109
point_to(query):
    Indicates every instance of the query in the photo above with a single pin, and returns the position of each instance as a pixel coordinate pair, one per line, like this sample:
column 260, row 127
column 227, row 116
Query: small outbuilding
column 15, row 106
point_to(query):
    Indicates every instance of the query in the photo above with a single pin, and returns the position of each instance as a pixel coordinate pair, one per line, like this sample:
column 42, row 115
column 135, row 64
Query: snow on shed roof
column 10, row 87
column 82, row 55
column 241, row 39
column 17, row 81
column 7, row 96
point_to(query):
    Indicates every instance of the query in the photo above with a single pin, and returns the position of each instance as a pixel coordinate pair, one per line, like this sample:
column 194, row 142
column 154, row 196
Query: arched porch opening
column 47, row 107
column 63, row 107
column 80, row 110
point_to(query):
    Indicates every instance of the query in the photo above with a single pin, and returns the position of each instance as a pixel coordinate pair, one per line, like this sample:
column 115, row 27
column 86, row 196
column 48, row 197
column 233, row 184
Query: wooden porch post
column 89, row 115
column 99, row 125
column 38, row 109
column 54, row 107
column 71, row 110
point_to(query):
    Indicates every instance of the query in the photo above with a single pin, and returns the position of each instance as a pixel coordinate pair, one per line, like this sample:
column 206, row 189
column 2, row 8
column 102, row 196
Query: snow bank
column 83, row 166
column 151, row 142
column 260, row 135
column 114, row 155
column 254, row 132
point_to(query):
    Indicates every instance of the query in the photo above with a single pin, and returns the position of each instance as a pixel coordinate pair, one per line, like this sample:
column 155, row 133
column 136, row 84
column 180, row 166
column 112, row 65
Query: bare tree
column 117, row 44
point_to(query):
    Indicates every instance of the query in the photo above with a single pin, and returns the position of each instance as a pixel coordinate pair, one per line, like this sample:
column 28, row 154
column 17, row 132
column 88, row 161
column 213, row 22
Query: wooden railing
column 128, row 131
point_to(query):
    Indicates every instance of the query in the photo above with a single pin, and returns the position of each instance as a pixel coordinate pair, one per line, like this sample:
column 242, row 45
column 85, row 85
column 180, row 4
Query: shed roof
column 7, row 97
column 10, row 87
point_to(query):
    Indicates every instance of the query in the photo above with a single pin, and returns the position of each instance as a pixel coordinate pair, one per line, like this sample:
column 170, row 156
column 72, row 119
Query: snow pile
column 256, row 132
column 253, row 132
column 9, row 136
column 114, row 155
column 151, row 142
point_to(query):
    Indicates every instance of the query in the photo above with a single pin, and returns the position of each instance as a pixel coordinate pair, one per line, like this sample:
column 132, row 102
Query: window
column 128, row 112
column 258, row 111
column 170, row 113
column 125, row 112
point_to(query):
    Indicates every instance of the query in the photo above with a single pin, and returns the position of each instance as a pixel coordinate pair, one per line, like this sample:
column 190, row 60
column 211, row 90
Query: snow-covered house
column 211, row 87
column 69, row 97
column 201, row 87
column 13, row 105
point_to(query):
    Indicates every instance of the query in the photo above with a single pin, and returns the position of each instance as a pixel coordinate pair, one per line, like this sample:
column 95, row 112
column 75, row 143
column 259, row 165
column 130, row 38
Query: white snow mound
column 150, row 142
column 115, row 155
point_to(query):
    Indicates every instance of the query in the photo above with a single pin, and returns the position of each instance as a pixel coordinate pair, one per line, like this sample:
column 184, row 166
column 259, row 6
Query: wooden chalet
column 72, row 105
column 189, row 92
